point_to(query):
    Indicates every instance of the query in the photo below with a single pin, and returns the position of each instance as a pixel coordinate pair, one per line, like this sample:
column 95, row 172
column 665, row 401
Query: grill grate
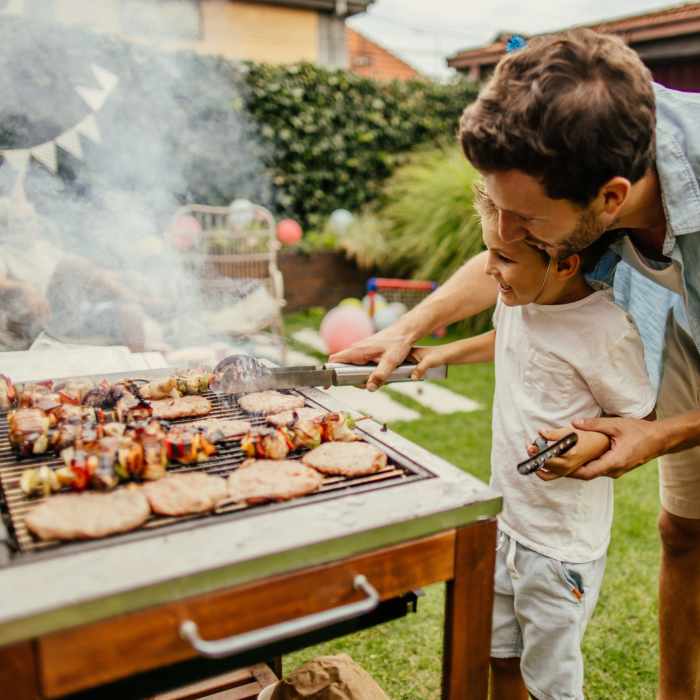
column 229, row 456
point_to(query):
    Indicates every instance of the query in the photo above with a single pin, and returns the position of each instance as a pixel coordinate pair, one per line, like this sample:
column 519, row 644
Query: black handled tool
column 548, row 450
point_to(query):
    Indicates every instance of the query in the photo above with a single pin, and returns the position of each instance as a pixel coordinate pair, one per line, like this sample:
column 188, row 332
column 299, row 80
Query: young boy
column 551, row 331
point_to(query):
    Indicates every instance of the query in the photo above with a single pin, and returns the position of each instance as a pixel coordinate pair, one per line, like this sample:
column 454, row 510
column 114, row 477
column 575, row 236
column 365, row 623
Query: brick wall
column 322, row 279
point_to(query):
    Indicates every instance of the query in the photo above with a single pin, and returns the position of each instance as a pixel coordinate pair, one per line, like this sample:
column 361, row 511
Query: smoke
column 90, row 239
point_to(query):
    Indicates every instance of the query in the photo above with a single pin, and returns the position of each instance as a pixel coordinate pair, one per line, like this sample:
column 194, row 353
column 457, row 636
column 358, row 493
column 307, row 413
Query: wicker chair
column 229, row 253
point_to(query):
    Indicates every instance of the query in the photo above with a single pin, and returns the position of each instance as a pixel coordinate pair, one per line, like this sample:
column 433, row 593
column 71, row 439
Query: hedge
column 331, row 137
column 181, row 127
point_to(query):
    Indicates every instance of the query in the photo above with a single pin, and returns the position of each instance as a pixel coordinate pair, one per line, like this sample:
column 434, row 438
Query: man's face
column 526, row 213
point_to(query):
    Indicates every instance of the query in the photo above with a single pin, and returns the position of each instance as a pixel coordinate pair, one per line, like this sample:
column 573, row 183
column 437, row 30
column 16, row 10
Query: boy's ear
column 568, row 267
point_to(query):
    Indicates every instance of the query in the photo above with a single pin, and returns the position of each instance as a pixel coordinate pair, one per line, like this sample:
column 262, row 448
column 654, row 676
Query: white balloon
column 384, row 317
column 340, row 220
column 241, row 213
column 399, row 307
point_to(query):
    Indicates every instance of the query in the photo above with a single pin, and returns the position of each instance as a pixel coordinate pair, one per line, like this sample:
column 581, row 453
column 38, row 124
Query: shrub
column 424, row 226
column 331, row 138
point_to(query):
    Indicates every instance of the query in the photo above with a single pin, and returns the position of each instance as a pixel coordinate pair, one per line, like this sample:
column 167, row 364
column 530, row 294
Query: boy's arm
column 480, row 348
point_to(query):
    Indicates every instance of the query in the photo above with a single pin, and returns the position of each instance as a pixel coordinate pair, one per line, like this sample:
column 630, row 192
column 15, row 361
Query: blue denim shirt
column 678, row 167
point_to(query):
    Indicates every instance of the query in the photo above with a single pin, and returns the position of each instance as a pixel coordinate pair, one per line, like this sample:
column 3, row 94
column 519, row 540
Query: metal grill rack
column 15, row 505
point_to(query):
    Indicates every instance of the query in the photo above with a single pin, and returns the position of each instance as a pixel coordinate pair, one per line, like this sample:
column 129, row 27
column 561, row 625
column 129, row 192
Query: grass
column 620, row 646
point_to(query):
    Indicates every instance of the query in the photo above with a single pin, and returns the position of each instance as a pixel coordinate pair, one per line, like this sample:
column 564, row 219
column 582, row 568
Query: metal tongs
column 238, row 374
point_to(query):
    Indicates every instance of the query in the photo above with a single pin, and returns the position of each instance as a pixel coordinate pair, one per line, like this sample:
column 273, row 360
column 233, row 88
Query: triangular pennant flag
column 13, row 7
column 94, row 98
column 88, row 127
column 45, row 153
column 106, row 79
column 17, row 158
column 70, row 141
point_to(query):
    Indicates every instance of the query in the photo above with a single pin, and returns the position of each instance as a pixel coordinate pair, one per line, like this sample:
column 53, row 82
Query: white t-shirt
column 555, row 363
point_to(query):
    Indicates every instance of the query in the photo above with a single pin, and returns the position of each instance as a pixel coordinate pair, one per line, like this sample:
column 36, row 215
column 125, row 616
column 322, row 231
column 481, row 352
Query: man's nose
column 509, row 228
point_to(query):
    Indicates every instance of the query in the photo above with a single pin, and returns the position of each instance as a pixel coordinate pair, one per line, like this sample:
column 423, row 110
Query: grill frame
column 14, row 505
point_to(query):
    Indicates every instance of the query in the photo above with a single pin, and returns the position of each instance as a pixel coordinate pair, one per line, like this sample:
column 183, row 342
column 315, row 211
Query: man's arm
column 468, row 292
column 637, row 441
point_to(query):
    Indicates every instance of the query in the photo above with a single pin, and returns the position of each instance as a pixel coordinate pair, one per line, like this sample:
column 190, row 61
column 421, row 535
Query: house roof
column 674, row 21
column 354, row 7
column 371, row 60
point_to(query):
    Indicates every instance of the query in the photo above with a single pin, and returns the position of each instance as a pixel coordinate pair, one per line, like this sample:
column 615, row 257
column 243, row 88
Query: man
column 573, row 139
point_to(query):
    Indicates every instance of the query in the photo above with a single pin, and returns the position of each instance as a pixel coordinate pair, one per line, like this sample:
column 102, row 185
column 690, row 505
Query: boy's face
column 525, row 213
column 518, row 267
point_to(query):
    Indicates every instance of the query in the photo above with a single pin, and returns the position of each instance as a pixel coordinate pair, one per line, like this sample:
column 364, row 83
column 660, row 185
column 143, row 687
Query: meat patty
column 346, row 458
column 183, row 407
column 270, row 402
column 182, row 494
column 216, row 429
column 304, row 413
column 87, row 516
column 260, row 480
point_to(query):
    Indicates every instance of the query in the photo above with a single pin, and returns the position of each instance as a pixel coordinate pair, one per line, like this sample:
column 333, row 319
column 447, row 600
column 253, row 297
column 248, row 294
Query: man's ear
column 567, row 267
column 612, row 196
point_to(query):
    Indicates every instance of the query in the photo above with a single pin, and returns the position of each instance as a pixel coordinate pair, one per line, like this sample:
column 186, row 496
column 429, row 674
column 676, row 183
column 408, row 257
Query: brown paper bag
column 335, row 677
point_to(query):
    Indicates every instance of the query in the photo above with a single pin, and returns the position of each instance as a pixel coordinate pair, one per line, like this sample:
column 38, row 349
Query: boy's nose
column 510, row 228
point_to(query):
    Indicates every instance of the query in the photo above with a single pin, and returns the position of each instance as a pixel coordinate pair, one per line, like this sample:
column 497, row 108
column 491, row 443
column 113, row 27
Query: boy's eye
column 503, row 258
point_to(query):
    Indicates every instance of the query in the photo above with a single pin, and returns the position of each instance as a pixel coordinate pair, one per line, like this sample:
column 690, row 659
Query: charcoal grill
column 72, row 612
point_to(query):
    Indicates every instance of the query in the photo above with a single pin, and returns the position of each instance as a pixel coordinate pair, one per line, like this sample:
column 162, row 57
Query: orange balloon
column 289, row 232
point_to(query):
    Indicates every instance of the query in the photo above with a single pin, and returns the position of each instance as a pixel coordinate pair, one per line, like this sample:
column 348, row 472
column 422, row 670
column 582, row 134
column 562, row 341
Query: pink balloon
column 343, row 326
column 289, row 232
column 184, row 231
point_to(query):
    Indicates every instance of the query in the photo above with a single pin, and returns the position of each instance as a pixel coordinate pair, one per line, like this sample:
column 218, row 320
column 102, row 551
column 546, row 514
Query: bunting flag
column 69, row 140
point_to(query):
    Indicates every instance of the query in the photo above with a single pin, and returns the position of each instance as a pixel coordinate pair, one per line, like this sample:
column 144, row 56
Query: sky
column 425, row 32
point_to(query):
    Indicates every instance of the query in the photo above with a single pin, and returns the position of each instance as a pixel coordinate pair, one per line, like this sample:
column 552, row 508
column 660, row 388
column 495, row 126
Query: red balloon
column 343, row 326
column 289, row 232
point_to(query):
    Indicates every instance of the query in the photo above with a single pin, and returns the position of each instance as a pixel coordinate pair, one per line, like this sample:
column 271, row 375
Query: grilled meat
column 182, row 494
column 184, row 407
column 88, row 515
column 346, row 458
column 159, row 389
column 261, row 480
column 338, row 427
column 192, row 381
column 222, row 429
column 29, row 431
column 267, row 402
column 286, row 418
column 8, row 393
column 267, row 443
column 187, row 446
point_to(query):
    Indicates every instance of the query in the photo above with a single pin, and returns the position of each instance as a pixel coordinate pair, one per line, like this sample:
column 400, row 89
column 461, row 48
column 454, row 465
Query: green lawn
column 620, row 647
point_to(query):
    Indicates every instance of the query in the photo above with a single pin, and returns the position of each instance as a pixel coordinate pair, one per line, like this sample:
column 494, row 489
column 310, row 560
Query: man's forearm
column 680, row 432
column 468, row 292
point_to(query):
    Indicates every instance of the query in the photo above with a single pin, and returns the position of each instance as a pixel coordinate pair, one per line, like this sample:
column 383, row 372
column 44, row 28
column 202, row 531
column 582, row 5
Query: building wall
column 370, row 60
column 233, row 29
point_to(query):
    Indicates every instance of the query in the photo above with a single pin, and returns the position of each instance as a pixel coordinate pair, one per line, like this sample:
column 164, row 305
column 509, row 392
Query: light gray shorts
column 540, row 612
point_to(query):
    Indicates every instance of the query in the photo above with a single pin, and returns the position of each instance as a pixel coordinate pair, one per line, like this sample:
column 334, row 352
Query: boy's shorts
column 540, row 612
column 679, row 473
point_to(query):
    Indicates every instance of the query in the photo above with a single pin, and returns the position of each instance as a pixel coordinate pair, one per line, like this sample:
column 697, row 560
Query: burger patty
column 270, row 402
column 304, row 413
column 182, row 494
column 183, row 407
column 260, row 480
column 346, row 458
column 222, row 428
column 87, row 516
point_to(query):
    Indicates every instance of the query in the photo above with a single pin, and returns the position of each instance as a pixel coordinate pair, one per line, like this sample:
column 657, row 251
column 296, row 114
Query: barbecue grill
column 86, row 615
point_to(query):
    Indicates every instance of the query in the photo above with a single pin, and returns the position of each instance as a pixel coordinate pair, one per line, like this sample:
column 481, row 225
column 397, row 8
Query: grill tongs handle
column 285, row 630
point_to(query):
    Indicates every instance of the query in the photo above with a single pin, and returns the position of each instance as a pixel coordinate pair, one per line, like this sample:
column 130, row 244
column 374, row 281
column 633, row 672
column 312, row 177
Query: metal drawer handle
column 276, row 633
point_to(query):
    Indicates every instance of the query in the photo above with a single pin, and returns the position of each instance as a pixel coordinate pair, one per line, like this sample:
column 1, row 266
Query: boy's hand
column 590, row 445
column 426, row 357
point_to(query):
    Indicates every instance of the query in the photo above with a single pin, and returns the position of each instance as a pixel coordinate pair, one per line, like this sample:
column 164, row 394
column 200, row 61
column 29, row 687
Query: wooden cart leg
column 18, row 673
column 468, row 604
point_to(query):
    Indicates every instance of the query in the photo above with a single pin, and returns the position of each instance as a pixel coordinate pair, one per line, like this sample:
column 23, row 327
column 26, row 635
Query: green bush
column 332, row 137
column 424, row 225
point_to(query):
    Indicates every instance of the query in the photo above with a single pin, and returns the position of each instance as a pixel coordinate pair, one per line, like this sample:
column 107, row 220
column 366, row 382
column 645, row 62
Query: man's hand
column 633, row 442
column 388, row 348
column 589, row 446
